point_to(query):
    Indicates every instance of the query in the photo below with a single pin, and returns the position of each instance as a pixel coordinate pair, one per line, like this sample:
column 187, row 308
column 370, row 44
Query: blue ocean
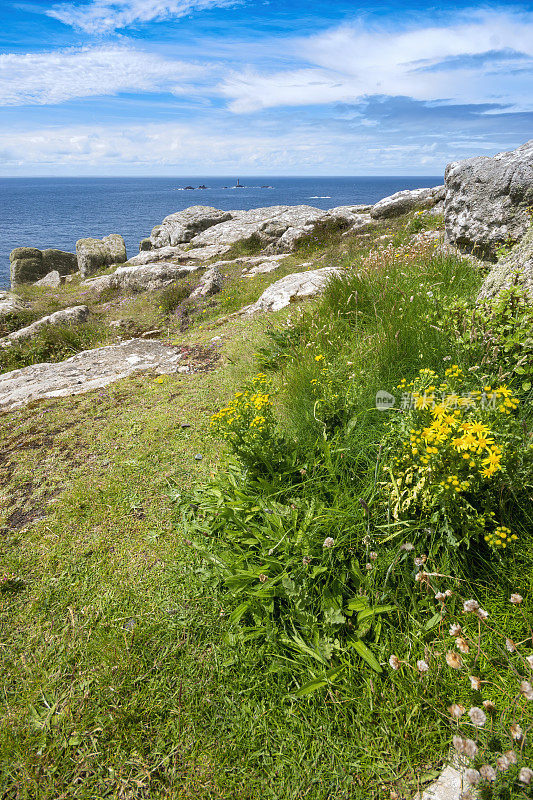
column 55, row 212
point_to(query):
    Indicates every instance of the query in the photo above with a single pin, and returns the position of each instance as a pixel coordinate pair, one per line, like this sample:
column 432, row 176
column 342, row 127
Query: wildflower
column 373, row 556
column 368, row 566
column 472, row 777
column 516, row 599
column 466, row 747
column 527, row 690
column 462, row 645
column 455, row 629
column 529, row 660
column 422, row 665
column 525, row 775
column 489, row 706
column 263, row 578
column 470, row 605
column 448, row 593
column 328, row 542
column 407, row 546
column 421, row 576
column 456, row 710
column 481, row 613
column 306, row 561
column 454, row 660
column 487, row 772
column 420, row 560
column 516, row 731
column 510, row 645
column 475, row 682
column 440, row 596
column 477, row 716
column 510, row 755
column 394, row 662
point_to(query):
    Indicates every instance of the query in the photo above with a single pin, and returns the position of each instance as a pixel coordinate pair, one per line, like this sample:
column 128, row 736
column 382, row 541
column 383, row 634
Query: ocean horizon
column 56, row 212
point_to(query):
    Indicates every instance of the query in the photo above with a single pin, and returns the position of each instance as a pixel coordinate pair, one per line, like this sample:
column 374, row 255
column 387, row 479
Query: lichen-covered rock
column 59, row 261
column 407, row 200
column 487, row 200
column 211, row 282
column 293, row 287
column 145, row 244
column 11, row 304
column 68, row 316
column 140, row 279
column 26, row 265
column 96, row 254
column 52, row 279
column 182, row 226
column 88, row 370
column 504, row 273
column 264, row 225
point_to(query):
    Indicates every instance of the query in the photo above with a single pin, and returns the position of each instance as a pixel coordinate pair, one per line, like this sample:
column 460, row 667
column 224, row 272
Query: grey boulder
column 293, row 287
column 487, row 200
column 68, row 316
column 407, row 200
column 211, row 282
column 140, row 279
column 11, row 304
column 184, row 225
column 96, row 254
column 52, row 279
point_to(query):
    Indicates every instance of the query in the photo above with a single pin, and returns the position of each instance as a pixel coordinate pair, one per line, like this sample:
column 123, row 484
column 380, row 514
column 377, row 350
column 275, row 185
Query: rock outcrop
column 96, row 254
column 28, row 264
column 293, row 287
column 88, row 370
column 517, row 268
column 68, row 316
column 52, row 280
column 407, row 200
column 140, row 279
column 211, row 282
column 11, row 304
column 184, row 225
column 487, row 200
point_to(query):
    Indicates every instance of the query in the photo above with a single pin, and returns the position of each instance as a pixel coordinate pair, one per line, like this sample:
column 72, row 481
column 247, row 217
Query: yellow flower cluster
column 453, row 452
column 249, row 410
column 500, row 537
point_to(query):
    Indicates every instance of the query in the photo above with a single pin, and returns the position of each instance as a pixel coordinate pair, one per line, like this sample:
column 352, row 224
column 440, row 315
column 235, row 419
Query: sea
column 55, row 212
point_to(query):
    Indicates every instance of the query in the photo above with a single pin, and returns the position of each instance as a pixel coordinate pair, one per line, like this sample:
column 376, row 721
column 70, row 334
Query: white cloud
column 104, row 16
column 159, row 148
column 355, row 61
column 55, row 77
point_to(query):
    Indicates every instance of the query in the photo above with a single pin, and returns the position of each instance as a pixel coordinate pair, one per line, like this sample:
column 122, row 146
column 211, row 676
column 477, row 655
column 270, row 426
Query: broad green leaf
column 370, row 612
column 366, row 654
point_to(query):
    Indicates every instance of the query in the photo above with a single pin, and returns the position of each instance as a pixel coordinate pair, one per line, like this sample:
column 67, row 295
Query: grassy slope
column 116, row 679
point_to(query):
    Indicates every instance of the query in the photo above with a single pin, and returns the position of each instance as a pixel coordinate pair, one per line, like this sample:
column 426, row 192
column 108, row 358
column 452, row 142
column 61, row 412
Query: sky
column 268, row 87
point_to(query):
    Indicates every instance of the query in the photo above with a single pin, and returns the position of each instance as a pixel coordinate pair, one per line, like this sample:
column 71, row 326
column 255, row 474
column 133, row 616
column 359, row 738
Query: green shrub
column 497, row 335
column 457, row 460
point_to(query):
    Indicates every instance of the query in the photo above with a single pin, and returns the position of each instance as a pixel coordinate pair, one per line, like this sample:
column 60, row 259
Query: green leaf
column 357, row 603
column 318, row 683
column 370, row 612
column 366, row 654
column 237, row 614
column 435, row 619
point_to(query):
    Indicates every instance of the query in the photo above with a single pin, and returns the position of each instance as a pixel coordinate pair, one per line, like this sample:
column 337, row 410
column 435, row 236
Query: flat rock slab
column 68, row 316
column 86, row 371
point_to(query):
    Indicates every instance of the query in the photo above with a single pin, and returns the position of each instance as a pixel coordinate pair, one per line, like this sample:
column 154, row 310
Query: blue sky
column 224, row 87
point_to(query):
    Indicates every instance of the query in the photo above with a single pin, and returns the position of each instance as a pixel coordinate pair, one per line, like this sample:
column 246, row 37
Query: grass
column 122, row 673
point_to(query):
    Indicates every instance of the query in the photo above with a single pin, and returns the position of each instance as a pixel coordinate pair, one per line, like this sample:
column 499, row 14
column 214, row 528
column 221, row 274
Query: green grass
column 122, row 674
